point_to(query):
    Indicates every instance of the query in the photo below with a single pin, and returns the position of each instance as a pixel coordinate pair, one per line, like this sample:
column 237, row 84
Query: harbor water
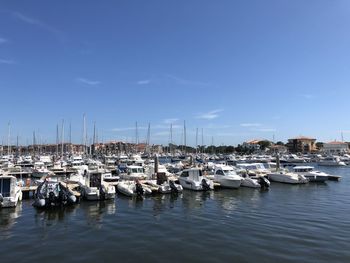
column 287, row 223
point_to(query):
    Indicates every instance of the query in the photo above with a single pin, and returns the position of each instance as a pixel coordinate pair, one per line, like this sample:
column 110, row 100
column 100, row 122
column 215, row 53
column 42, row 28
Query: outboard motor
column 139, row 189
column 173, row 187
column 63, row 197
column 264, row 182
column 205, row 185
column 103, row 192
column 52, row 199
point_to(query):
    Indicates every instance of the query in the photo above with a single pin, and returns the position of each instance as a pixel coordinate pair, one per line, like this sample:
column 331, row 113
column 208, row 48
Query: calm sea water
column 288, row 223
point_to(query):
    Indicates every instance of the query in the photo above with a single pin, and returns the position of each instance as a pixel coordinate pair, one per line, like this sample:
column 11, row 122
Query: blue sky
column 238, row 69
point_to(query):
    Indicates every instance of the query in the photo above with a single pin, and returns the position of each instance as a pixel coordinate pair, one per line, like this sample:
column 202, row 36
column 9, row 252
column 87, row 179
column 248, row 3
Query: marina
column 174, row 131
column 305, row 222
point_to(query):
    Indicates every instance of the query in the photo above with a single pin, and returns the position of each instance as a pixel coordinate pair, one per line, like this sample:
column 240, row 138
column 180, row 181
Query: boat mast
column 185, row 142
column 148, row 136
column 136, row 137
column 196, row 140
column 34, row 142
column 171, row 138
column 84, row 133
column 202, row 141
column 62, row 138
column 57, row 140
column 8, row 138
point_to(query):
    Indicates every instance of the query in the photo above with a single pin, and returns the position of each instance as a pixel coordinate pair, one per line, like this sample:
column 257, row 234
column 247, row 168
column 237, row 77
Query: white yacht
column 40, row 170
column 134, row 173
column 287, row 177
column 193, row 179
column 331, row 161
column 10, row 192
column 167, row 187
column 46, row 159
column 310, row 173
column 227, row 176
column 95, row 188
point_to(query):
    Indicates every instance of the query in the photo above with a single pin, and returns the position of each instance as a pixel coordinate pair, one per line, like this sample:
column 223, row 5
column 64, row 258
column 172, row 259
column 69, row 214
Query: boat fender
column 205, row 185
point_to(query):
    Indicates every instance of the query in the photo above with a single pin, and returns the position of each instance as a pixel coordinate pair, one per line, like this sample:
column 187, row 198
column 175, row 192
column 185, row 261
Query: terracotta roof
column 303, row 138
column 336, row 142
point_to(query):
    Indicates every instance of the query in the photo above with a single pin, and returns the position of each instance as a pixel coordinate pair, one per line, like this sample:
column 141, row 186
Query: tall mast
column 136, row 134
column 196, row 140
column 57, row 139
column 171, row 137
column 185, row 143
column 94, row 135
column 62, row 138
column 70, row 133
column 8, row 138
column 34, row 142
column 202, row 141
column 84, row 133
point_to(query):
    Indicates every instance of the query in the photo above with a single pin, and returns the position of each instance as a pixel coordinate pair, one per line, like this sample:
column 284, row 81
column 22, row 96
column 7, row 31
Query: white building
column 335, row 147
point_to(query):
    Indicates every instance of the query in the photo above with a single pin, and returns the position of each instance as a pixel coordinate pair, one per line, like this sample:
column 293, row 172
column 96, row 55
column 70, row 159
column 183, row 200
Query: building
column 335, row 147
column 301, row 144
column 256, row 145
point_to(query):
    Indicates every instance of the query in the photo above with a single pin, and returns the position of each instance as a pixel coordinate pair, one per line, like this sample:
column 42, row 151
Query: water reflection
column 195, row 199
column 53, row 216
column 162, row 203
column 8, row 218
column 96, row 210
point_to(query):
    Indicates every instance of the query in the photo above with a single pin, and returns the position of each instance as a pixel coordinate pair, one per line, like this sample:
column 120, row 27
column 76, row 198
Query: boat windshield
column 5, row 186
column 136, row 170
column 229, row 172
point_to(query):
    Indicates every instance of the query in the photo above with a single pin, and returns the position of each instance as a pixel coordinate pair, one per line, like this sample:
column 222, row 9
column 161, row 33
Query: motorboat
column 109, row 177
column 133, row 188
column 10, row 191
column 257, row 182
column 227, row 177
column 52, row 193
column 287, row 177
column 95, row 188
column 134, row 173
column 167, row 187
column 40, row 170
column 193, row 179
column 311, row 174
column 331, row 161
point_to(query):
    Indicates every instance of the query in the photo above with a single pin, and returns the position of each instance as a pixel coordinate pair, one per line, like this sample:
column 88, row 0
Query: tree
column 264, row 144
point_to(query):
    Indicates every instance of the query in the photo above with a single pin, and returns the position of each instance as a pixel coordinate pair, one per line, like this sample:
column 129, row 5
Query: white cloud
column 210, row 115
column 7, row 61
column 250, row 124
column 88, row 82
column 40, row 24
column 143, row 82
